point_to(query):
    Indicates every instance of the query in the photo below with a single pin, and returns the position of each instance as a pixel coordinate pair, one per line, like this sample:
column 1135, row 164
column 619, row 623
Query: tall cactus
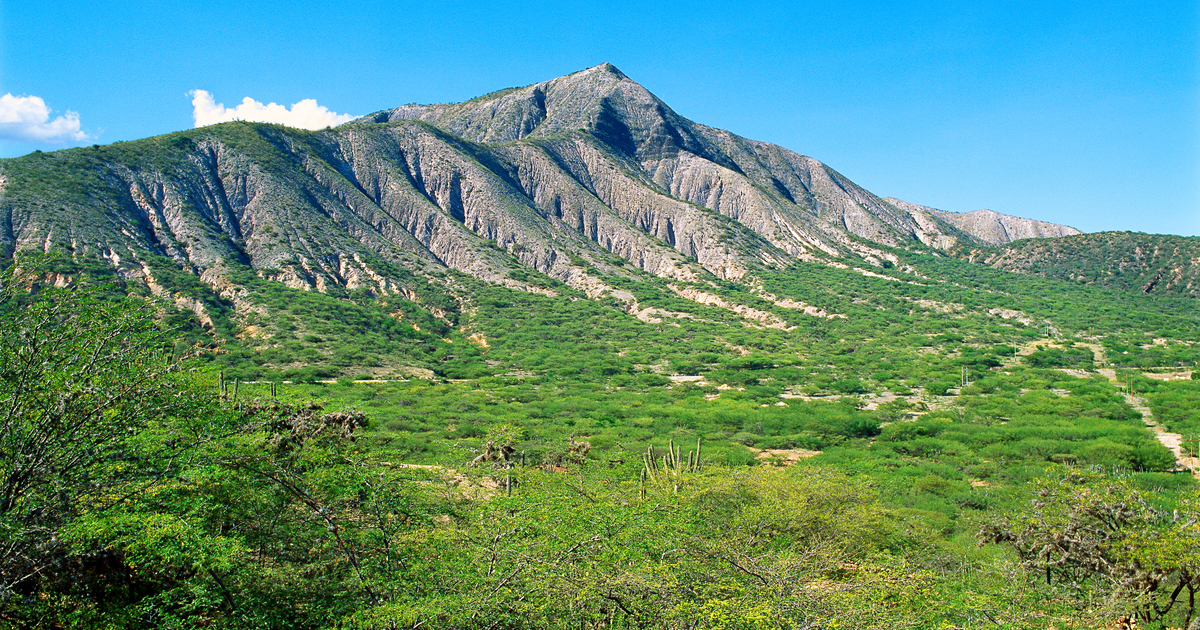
column 669, row 467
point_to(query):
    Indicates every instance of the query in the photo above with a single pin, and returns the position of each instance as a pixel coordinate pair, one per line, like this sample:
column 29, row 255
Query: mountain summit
column 700, row 164
column 574, row 178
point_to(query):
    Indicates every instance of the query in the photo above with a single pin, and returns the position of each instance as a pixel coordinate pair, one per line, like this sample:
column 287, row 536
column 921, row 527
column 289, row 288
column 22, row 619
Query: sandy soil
column 784, row 456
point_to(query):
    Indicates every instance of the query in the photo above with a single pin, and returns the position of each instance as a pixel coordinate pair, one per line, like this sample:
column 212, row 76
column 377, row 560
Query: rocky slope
column 986, row 226
column 575, row 178
column 795, row 202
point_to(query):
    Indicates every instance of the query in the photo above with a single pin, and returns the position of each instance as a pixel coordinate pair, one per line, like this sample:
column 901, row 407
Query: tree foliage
column 80, row 379
column 1106, row 538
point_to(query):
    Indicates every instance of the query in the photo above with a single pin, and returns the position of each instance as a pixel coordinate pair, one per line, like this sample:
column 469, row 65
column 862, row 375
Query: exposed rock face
column 794, row 202
column 985, row 226
column 582, row 173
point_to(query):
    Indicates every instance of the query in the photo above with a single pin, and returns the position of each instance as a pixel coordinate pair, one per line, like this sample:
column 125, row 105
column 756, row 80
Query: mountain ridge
column 989, row 226
column 539, row 110
column 1149, row 264
column 574, row 178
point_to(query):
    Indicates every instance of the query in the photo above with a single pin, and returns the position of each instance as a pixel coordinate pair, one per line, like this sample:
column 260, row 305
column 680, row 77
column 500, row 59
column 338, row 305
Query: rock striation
column 574, row 178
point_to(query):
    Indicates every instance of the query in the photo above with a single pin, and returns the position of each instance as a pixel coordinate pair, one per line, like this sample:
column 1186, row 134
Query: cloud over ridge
column 27, row 119
column 305, row 114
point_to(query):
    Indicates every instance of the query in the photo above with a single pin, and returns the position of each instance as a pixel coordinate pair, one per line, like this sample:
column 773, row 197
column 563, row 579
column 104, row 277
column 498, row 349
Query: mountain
column 574, row 178
column 761, row 185
column 986, row 226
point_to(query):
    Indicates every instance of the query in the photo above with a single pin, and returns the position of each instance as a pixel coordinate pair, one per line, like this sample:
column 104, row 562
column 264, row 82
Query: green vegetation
column 1177, row 405
column 302, row 459
column 1157, row 264
column 1087, row 530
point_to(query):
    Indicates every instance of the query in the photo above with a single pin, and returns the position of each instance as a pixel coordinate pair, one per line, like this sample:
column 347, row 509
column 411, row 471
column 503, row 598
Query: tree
column 1093, row 532
column 80, row 377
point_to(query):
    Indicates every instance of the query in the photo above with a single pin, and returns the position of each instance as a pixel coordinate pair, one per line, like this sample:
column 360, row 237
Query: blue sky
column 1081, row 113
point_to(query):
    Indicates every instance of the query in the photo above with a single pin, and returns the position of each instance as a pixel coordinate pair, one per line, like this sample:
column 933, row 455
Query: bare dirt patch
column 766, row 319
column 940, row 307
column 1076, row 372
column 808, row 309
column 1184, row 375
column 1006, row 313
column 782, row 456
column 470, row 487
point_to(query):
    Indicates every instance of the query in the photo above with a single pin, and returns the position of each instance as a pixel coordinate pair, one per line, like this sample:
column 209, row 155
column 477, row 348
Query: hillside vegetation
column 844, row 470
column 1151, row 264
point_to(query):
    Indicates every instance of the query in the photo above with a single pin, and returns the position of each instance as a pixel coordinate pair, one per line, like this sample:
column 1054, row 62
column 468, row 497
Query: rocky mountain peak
column 600, row 99
column 607, row 68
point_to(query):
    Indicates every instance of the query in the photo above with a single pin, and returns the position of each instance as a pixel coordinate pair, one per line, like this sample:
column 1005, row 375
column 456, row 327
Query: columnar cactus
column 670, row 466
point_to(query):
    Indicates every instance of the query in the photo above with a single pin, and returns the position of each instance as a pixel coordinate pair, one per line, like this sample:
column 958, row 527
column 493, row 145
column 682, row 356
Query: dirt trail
column 1173, row 441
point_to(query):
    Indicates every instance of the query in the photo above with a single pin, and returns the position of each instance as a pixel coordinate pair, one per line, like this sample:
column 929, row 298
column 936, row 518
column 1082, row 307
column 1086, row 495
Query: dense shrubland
column 162, row 499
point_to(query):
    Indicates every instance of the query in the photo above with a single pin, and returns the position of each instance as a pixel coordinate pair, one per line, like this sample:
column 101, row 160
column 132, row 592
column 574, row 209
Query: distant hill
column 1153, row 264
column 987, row 226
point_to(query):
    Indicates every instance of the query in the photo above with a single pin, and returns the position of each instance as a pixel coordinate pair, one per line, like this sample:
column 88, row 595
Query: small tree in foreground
column 1104, row 537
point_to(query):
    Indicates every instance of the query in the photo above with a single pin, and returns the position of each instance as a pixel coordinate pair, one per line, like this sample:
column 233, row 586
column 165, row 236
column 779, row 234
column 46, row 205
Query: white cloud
column 27, row 119
column 306, row 114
